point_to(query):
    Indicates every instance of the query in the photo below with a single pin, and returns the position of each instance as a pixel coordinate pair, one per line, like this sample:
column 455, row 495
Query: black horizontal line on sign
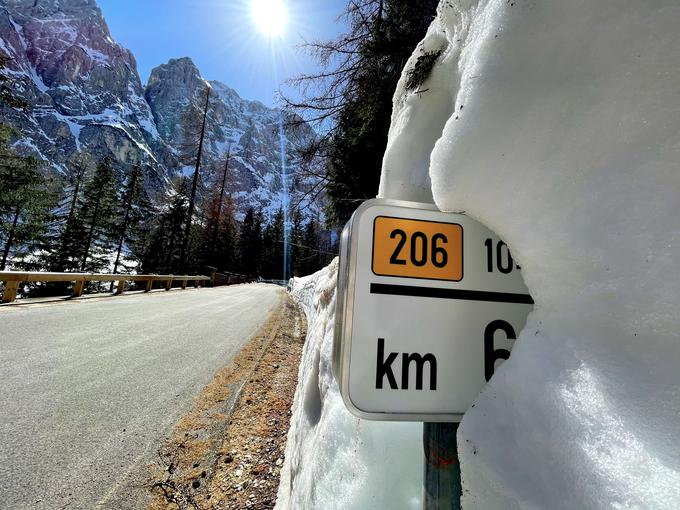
column 462, row 294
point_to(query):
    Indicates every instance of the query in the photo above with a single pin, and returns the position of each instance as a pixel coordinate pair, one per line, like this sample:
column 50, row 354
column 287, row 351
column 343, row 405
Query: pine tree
column 96, row 213
column 187, row 238
column 220, row 243
column 250, row 244
column 131, row 211
column 25, row 198
column 351, row 97
column 25, row 202
column 298, row 251
column 162, row 250
column 228, row 240
column 63, row 244
column 274, row 246
column 312, row 256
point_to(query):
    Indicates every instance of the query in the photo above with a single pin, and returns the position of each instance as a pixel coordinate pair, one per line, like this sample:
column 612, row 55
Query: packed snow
column 555, row 124
column 335, row 461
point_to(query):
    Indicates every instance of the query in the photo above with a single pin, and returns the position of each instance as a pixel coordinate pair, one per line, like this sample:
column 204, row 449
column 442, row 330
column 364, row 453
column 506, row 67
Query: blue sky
column 222, row 39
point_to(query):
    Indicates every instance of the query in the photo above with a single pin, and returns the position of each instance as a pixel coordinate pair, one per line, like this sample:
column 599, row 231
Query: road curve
column 89, row 388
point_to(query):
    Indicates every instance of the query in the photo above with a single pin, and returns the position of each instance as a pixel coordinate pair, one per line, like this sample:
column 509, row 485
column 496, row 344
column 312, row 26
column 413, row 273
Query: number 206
column 422, row 250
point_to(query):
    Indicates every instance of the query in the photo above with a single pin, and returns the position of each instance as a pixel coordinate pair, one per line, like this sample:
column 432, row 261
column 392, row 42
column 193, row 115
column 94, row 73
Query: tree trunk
column 74, row 200
column 61, row 254
column 192, row 198
column 126, row 221
column 90, row 235
column 219, row 205
column 10, row 239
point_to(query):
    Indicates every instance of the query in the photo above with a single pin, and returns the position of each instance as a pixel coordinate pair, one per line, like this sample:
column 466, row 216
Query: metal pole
column 442, row 484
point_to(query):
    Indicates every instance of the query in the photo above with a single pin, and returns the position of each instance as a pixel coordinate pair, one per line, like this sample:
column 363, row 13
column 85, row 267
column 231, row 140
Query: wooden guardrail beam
column 12, row 280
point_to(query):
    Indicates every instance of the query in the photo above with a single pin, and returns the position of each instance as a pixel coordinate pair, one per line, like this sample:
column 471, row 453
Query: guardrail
column 228, row 278
column 12, row 280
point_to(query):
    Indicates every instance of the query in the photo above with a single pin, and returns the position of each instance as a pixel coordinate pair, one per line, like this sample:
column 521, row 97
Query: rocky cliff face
column 254, row 136
column 85, row 95
column 83, row 88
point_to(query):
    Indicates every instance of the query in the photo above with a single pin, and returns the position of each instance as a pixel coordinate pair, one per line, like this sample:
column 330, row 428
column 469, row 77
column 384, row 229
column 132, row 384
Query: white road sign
column 428, row 304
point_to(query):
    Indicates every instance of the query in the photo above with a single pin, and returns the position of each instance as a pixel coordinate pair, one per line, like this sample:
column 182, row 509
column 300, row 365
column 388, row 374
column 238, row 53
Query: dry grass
column 227, row 452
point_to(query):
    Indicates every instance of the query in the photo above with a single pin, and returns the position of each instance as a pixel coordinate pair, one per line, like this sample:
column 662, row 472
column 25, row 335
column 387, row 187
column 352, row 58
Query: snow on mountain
column 82, row 87
column 85, row 95
column 254, row 135
column 555, row 124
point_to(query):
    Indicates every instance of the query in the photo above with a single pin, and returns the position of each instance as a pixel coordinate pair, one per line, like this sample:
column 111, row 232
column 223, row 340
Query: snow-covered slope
column 557, row 125
column 250, row 130
column 84, row 94
column 335, row 461
column 82, row 87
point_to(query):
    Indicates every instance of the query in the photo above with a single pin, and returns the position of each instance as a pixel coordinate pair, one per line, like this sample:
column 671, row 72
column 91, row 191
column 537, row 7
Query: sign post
column 429, row 304
column 442, row 487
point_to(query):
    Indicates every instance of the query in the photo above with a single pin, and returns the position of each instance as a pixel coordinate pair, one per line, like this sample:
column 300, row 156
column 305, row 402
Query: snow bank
column 334, row 460
column 557, row 124
column 562, row 134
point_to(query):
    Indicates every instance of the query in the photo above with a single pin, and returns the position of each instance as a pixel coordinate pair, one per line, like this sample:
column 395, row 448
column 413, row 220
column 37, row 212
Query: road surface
column 90, row 388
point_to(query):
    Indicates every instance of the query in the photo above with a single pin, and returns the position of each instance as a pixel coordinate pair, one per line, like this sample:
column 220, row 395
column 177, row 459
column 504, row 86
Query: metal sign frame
column 344, row 318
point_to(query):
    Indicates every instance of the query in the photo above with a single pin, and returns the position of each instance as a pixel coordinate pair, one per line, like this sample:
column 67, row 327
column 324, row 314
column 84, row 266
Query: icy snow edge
column 333, row 460
column 557, row 125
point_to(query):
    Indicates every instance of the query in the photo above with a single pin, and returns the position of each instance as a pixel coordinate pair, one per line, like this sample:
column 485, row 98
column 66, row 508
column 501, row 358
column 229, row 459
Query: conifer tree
column 25, row 202
column 350, row 99
column 273, row 247
column 96, row 212
column 219, row 245
column 24, row 195
column 298, row 250
column 162, row 250
column 132, row 209
column 65, row 237
column 187, row 237
column 312, row 257
column 250, row 244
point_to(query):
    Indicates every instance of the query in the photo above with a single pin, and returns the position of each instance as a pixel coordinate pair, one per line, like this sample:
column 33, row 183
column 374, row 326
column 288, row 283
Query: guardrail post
column 10, row 293
column 168, row 284
column 121, row 287
column 184, row 284
column 78, row 288
column 197, row 284
column 149, row 284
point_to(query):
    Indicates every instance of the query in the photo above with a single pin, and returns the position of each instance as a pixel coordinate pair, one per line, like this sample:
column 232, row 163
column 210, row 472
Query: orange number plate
column 417, row 249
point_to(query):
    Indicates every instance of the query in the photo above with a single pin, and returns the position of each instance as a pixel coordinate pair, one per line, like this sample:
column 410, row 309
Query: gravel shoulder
column 227, row 452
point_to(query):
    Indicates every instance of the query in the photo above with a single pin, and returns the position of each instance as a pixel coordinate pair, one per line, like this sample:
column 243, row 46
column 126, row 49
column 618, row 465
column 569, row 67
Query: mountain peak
column 57, row 9
column 182, row 72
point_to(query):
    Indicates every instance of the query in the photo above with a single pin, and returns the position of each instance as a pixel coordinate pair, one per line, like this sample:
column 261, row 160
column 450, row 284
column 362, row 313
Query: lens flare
column 270, row 16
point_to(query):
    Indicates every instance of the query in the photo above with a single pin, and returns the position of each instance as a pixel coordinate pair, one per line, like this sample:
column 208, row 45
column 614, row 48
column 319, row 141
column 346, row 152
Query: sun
column 271, row 16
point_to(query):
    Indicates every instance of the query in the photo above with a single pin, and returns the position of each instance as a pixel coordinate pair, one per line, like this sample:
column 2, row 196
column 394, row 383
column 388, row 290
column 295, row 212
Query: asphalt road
column 90, row 388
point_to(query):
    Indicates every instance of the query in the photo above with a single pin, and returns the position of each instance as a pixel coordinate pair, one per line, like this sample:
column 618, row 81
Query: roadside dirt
column 228, row 451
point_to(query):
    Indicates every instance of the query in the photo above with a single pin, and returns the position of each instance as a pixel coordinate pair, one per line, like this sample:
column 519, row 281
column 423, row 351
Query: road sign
column 428, row 304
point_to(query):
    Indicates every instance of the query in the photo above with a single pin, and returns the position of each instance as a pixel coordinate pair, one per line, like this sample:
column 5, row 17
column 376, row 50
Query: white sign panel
column 428, row 304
